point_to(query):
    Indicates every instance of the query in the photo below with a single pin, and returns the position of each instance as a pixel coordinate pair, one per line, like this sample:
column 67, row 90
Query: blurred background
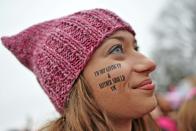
column 165, row 31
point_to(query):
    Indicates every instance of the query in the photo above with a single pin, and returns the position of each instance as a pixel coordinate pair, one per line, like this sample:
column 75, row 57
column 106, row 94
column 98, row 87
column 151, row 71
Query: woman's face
column 119, row 76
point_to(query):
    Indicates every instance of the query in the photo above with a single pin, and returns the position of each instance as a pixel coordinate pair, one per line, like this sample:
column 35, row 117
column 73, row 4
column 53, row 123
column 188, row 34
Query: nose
column 144, row 65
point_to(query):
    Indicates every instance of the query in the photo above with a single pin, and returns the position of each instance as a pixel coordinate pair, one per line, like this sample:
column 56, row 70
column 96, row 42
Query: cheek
column 109, row 86
column 113, row 77
column 110, row 89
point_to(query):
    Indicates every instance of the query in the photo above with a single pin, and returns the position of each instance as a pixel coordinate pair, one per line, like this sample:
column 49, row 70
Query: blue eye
column 116, row 49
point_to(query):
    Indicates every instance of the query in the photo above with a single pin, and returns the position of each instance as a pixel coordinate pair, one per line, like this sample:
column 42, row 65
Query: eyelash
column 113, row 48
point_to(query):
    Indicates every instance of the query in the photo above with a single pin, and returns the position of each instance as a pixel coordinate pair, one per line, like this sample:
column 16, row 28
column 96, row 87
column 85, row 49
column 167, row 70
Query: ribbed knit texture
column 56, row 51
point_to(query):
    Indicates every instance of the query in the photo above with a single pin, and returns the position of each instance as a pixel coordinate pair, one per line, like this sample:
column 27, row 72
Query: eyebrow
column 122, row 39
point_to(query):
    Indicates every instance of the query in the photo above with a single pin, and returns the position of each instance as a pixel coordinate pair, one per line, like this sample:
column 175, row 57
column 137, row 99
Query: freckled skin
column 123, row 101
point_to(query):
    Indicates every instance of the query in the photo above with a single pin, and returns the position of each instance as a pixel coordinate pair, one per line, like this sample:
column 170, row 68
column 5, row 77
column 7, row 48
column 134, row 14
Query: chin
column 152, row 105
column 147, row 108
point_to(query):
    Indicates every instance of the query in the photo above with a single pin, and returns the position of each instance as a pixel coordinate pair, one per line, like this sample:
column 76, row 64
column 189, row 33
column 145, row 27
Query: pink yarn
column 56, row 51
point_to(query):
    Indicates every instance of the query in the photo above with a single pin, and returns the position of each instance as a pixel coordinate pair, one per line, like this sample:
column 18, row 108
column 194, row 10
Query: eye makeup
column 116, row 49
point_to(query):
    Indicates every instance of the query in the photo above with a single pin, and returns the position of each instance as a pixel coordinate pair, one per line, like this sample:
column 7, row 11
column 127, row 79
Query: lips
column 145, row 85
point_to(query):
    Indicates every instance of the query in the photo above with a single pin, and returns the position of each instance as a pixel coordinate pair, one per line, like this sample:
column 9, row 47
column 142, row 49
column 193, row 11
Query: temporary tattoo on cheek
column 118, row 79
column 105, row 83
column 113, row 88
column 112, row 82
column 109, row 75
column 107, row 69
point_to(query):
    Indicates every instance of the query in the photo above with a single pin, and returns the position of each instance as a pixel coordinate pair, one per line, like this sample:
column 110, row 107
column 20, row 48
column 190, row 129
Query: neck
column 122, row 125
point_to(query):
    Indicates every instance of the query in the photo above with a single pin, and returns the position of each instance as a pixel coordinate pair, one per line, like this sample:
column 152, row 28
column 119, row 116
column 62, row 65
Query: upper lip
column 144, row 82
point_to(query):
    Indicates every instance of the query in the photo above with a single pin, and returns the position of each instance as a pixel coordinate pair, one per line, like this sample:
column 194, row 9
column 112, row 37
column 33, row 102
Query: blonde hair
column 187, row 116
column 83, row 114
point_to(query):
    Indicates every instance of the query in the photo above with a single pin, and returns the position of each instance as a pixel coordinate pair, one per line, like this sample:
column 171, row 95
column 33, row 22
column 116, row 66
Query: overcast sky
column 20, row 95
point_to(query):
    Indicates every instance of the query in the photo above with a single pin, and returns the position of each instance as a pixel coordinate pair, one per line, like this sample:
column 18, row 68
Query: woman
column 89, row 66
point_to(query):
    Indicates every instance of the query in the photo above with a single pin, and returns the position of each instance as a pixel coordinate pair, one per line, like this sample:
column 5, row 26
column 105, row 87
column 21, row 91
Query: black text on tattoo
column 112, row 82
column 107, row 69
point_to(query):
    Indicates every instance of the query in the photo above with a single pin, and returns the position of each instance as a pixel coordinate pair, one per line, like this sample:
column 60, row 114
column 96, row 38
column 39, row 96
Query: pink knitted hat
column 56, row 51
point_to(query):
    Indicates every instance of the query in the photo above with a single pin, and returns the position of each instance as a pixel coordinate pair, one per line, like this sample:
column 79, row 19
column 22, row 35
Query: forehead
column 122, row 35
